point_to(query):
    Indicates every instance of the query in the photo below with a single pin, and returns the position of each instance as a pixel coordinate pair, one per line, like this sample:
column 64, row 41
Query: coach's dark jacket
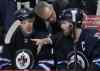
column 62, row 45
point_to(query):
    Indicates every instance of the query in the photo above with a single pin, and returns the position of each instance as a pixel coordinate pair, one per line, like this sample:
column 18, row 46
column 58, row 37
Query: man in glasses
column 45, row 25
column 47, row 13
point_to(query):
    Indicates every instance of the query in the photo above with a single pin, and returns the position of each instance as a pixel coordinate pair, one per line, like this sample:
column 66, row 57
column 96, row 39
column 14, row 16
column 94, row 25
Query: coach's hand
column 40, row 41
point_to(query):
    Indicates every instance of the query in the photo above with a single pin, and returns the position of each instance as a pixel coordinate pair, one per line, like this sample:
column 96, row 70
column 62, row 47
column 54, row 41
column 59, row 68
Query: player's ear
column 71, row 26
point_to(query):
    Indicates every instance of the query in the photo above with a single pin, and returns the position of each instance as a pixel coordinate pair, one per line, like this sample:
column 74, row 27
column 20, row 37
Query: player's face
column 66, row 26
column 27, row 26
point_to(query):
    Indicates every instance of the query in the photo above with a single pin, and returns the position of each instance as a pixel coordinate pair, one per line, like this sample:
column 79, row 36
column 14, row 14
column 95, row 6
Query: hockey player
column 18, row 37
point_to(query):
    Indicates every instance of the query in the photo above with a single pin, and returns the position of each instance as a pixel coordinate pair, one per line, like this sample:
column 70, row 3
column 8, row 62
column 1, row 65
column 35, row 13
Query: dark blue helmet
column 23, row 14
column 67, row 15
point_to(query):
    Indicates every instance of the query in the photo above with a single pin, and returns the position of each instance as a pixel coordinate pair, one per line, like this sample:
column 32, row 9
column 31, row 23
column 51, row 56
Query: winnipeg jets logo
column 22, row 60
